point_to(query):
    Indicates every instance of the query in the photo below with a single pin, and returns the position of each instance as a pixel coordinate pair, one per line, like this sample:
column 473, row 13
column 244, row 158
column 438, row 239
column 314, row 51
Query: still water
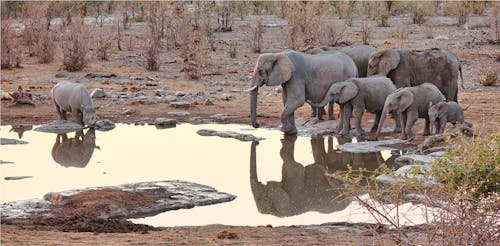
column 278, row 181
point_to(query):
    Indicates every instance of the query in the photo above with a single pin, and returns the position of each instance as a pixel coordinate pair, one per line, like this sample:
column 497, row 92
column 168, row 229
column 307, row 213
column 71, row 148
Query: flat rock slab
column 413, row 159
column 8, row 141
column 60, row 126
column 165, row 122
column 408, row 172
column 180, row 104
column 164, row 196
column 223, row 116
column 229, row 134
column 369, row 146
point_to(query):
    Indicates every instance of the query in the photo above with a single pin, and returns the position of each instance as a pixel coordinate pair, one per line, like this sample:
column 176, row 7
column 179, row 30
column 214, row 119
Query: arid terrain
column 220, row 89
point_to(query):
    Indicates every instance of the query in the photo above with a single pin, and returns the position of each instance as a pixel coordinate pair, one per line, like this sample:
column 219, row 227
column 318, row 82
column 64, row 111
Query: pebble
column 62, row 74
column 179, row 113
column 180, row 104
column 227, row 96
column 98, row 93
column 180, row 94
column 128, row 112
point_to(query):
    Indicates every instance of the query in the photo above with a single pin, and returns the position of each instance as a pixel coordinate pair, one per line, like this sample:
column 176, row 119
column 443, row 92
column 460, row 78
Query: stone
column 104, row 125
column 160, row 93
column 145, row 100
column 180, row 104
column 220, row 83
column 179, row 113
column 369, row 146
column 223, row 116
column 271, row 94
column 98, row 93
column 128, row 111
column 8, row 141
column 177, row 195
column 409, row 172
column 278, row 89
column 169, row 99
column 229, row 134
column 60, row 126
column 165, row 122
column 180, row 94
column 62, row 74
column 207, row 102
column 413, row 159
column 18, row 177
column 226, row 96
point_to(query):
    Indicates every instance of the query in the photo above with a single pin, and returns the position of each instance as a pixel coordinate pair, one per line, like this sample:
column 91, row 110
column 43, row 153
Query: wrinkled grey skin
column 412, row 103
column 74, row 98
column 302, row 76
column 357, row 95
column 76, row 151
column 443, row 112
column 410, row 68
column 360, row 54
column 305, row 188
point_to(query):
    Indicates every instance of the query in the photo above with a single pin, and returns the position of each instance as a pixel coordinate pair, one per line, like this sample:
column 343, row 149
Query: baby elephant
column 357, row 95
column 443, row 112
column 74, row 98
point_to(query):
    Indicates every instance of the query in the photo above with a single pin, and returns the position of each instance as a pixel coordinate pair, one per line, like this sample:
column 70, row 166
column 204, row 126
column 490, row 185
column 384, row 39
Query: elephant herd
column 405, row 83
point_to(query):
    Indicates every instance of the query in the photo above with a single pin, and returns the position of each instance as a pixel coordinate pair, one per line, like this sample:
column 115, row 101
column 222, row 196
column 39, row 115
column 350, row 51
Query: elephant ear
column 443, row 109
column 349, row 91
column 389, row 61
column 281, row 71
column 405, row 100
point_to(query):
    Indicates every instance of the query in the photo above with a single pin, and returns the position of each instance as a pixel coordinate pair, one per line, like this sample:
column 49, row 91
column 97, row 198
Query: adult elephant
column 360, row 54
column 302, row 76
column 408, row 68
column 76, row 151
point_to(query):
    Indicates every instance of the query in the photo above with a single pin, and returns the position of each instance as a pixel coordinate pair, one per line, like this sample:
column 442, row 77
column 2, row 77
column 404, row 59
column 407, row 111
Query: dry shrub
column 490, row 76
column 365, row 32
column 333, row 34
column 401, row 30
column 153, row 40
column 345, row 11
column 257, row 32
column 232, row 50
column 420, row 11
column 33, row 26
column 46, row 49
column 75, row 48
column 495, row 24
column 383, row 18
column 224, row 18
column 103, row 46
column 11, row 48
column 205, row 11
column 304, row 20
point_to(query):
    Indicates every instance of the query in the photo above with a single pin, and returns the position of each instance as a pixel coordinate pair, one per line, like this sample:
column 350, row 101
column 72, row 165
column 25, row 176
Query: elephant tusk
column 251, row 88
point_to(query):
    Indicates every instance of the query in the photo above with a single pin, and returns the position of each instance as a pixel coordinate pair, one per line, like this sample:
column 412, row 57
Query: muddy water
column 279, row 181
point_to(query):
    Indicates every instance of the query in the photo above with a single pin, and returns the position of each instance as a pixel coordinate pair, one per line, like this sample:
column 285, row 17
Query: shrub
column 257, row 32
column 75, row 49
column 11, row 53
column 333, row 34
column 46, row 47
column 365, row 32
column 224, row 19
column 490, row 76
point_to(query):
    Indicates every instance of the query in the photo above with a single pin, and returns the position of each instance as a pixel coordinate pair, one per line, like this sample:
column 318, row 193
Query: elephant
column 443, row 112
column 74, row 98
column 305, row 188
column 357, row 95
column 76, row 151
column 411, row 68
column 412, row 103
column 302, row 76
column 360, row 54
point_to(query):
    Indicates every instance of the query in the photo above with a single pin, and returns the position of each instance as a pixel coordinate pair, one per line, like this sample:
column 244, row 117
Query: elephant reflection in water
column 76, row 151
column 306, row 188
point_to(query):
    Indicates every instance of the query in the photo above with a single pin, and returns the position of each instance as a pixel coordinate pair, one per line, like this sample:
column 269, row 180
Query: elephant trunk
column 253, row 106
column 381, row 122
column 431, row 125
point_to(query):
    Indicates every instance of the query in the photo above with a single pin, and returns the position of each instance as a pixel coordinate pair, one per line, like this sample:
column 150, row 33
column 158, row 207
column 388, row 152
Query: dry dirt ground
column 470, row 44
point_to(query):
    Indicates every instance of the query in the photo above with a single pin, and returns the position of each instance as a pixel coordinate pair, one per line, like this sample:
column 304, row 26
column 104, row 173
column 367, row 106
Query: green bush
column 472, row 164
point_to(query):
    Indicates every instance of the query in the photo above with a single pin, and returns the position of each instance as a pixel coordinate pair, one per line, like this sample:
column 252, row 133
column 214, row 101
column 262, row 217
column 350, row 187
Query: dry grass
column 11, row 47
column 76, row 47
column 490, row 76
column 257, row 32
column 365, row 32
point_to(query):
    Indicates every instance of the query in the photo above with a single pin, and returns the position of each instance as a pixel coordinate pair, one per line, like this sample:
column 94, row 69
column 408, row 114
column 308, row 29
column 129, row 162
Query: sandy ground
column 470, row 45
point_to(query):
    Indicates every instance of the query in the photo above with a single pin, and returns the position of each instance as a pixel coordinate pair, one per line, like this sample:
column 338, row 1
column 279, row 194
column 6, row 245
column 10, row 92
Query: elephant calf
column 412, row 103
column 357, row 95
column 443, row 112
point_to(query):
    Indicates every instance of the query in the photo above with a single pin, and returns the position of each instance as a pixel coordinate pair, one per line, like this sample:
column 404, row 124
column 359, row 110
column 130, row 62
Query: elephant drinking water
column 302, row 76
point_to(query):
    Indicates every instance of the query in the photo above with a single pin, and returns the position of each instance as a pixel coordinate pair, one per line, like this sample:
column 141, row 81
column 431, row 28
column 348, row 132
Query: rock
column 219, row 89
column 62, row 74
column 160, row 93
column 104, row 125
column 223, row 116
column 98, row 93
column 180, row 104
column 226, row 96
column 175, row 195
column 5, row 162
column 229, row 134
column 128, row 112
column 145, row 100
column 414, row 159
column 199, row 120
column 483, row 101
column 165, row 122
column 18, row 177
column 8, row 141
column 180, row 94
column 408, row 172
column 179, row 114
column 169, row 99
column 207, row 102
column 369, row 146
column 60, row 126
column 220, row 83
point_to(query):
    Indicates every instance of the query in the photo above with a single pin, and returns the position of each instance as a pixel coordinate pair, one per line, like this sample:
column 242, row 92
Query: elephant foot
column 426, row 134
column 344, row 132
column 410, row 138
column 321, row 118
column 313, row 113
column 403, row 137
column 397, row 130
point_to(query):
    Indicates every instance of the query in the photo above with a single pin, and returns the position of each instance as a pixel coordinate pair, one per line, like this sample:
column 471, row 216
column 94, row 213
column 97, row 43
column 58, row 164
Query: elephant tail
column 461, row 77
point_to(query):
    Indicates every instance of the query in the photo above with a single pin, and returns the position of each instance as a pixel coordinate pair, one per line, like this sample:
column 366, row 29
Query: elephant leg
column 397, row 121
column 442, row 125
column 288, row 117
column 341, row 117
column 321, row 112
column 402, row 119
column 427, row 127
column 331, row 116
column 358, row 115
column 77, row 116
column 60, row 113
column 346, row 117
column 376, row 122
column 314, row 111
column 412, row 117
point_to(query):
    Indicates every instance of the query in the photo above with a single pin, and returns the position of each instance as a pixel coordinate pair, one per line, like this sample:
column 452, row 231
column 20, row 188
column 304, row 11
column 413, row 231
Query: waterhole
column 279, row 180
